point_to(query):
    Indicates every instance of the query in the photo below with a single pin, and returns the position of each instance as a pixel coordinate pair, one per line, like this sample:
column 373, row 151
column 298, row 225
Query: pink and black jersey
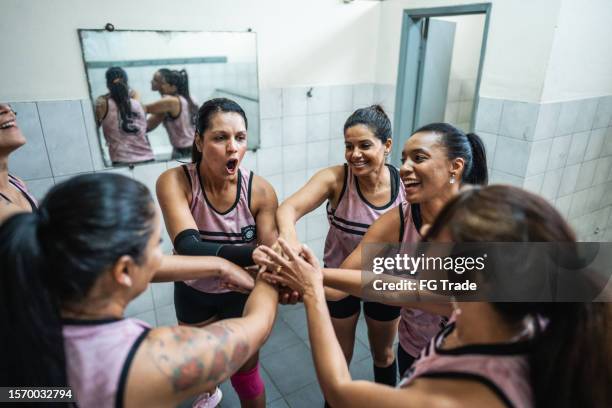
column 234, row 226
column 18, row 184
column 353, row 215
column 416, row 327
column 98, row 358
column 126, row 147
column 181, row 130
column 503, row 368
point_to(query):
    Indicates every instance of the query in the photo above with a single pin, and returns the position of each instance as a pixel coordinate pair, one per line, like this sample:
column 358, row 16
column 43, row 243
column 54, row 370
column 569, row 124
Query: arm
column 322, row 186
column 100, row 108
column 175, row 363
column 264, row 204
column 154, row 120
column 167, row 104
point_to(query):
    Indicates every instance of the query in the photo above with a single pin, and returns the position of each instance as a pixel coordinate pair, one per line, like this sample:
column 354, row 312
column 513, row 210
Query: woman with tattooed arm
column 68, row 273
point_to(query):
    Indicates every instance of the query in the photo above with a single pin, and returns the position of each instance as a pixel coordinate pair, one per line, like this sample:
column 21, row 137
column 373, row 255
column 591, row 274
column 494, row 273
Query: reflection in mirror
column 146, row 87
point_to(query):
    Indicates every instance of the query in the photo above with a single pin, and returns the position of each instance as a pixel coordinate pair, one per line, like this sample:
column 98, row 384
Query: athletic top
column 125, row 147
column 416, row 327
column 503, row 368
column 353, row 215
column 180, row 129
column 234, row 226
column 98, row 357
column 19, row 185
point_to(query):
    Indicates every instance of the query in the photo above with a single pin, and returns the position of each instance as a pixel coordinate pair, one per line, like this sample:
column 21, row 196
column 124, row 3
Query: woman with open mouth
column 176, row 110
column 14, row 196
column 213, row 206
column 357, row 193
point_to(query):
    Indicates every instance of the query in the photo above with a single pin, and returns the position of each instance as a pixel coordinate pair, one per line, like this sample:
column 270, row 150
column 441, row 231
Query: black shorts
column 350, row 305
column 194, row 306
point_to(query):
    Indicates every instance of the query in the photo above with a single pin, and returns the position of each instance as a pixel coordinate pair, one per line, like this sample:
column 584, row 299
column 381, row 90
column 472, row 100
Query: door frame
column 410, row 72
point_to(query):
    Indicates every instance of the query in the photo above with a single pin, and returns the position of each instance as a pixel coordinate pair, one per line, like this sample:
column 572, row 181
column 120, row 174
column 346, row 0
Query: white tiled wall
column 562, row 151
column 299, row 136
column 460, row 102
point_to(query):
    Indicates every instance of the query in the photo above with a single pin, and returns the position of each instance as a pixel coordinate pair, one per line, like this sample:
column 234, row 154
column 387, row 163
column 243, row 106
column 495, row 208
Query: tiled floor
column 287, row 368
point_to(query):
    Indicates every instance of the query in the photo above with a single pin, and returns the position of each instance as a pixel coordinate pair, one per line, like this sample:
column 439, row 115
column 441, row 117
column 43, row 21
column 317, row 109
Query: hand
column 288, row 296
column 300, row 272
column 235, row 278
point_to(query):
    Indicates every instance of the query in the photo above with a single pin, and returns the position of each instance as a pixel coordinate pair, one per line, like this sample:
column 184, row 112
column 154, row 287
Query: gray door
column 438, row 40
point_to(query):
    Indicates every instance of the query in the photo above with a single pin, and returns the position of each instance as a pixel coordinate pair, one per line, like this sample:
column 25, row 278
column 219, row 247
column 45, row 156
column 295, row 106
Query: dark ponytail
column 469, row 147
column 180, row 80
column 117, row 84
column 53, row 258
column 375, row 118
column 205, row 114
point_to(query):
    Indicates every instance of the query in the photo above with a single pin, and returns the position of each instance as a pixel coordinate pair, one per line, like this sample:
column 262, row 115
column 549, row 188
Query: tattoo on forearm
column 191, row 356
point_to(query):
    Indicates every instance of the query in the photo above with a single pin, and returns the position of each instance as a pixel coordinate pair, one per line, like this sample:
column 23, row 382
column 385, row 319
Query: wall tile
column 93, row 136
column 499, row 177
column 318, row 247
column 511, row 156
column 519, row 120
column 577, row 148
column 451, row 113
column 148, row 175
column 320, row 101
column 293, row 181
column 548, row 118
column 454, row 90
column 569, row 179
column 488, row 116
column 341, row 98
column 163, row 293
column 559, row 152
column 294, row 101
column 563, row 205
column 586, row 114
column 316, row 227
column 317, row 127
column 594, row 197
column 271, row 103
column 468, row 88
column 489, row 140
column 596, row 140
column 585, row 175
column 65, row 137
column 166, row 316
column 363, row 95
column 147, row 317
column 603, row 115
column 31, row 160
column 567, row 118
column 271, row 132
column 125, row 171
column 604, row 166
column 384, row 94
column 538, row 157
column 317, row 154
column 550, row 186
column 534, row 183
column 607, row 197
column 39, row 187
column 607, row 147
column 578, row 206
column 465, row 113
column 294, row 130
column 249, row 161
column 143, row 303
column 336, row 124
column 269, row 161
column 277, row 184
column 294, row 158
column 336, row 153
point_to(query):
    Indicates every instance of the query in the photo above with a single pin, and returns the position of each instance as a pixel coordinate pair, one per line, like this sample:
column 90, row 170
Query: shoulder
column 172, row 179
column 262, row 193
column 333, row 176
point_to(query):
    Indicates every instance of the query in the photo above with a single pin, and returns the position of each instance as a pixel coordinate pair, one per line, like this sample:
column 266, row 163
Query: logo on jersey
column 249, row 233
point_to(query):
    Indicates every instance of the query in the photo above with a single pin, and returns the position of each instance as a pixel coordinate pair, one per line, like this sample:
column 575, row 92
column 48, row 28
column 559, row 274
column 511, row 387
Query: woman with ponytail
column 14, row 196
column 68, row 273
column 491, row 354
column 176, row 110
column 123, row 121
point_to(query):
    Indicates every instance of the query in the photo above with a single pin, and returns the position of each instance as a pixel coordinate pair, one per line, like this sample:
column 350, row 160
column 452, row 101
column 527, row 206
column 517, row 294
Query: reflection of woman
column 437, row 159
column 357, row 193
column 176, row 110
column 123, row 121
column 209, row 207
column 69, row 271
column 491, row 354
column 14, row 196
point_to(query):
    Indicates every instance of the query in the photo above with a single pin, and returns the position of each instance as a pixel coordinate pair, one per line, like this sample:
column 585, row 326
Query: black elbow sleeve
column 188, row 242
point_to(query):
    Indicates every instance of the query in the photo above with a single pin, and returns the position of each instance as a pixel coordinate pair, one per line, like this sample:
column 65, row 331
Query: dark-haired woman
column 69, row 271
column 214, row 206
column 492, row 354
column 14, row 196
column 176, row 110
column 436, row 161
column 357, row 193
column 123, row 121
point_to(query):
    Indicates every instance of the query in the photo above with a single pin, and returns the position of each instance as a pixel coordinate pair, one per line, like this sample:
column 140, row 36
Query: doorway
column 441, row 56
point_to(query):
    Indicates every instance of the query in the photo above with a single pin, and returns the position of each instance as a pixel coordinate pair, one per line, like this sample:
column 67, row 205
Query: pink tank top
column 181, row 130
column 503, row 368
column 19, row 185
column 416, row 327
column 98, row 358
column 234, row 226
column 353, row 215
column 125, row 147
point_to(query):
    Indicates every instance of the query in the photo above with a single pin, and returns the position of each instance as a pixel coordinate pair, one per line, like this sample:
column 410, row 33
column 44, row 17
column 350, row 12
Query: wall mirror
column 146, row 87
